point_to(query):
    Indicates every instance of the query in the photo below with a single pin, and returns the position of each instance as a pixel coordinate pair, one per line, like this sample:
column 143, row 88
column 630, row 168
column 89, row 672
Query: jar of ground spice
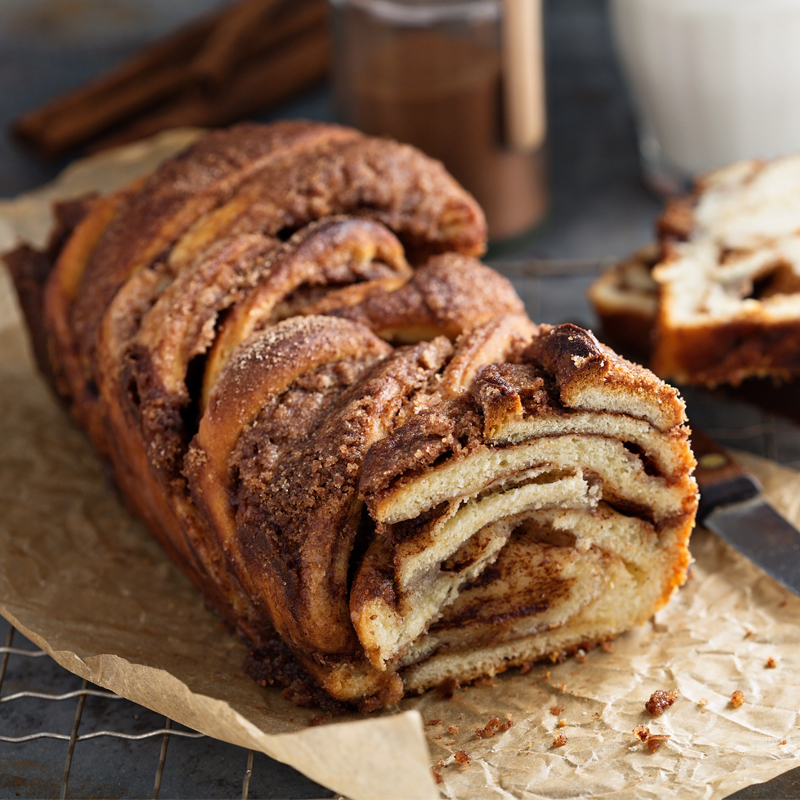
column 460, row 79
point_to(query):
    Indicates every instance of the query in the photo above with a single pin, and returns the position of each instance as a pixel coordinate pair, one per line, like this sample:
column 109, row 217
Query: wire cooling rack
column 63, row 737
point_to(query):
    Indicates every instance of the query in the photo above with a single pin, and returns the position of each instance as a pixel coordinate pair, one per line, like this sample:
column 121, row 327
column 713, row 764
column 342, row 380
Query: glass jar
column 431, row 74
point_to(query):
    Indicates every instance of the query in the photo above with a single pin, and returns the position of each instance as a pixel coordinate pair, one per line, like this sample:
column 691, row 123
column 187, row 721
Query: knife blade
column 732, row 505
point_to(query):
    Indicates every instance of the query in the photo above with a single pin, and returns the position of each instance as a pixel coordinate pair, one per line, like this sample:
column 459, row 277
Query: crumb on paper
column 748, row 634
column 642, row 732
column 556, row 710
column 452, row 729
column 434, row 722
column 562, row 723
column 314, row 721
column 492, row 726
column 656, row 740
column 660, row 701
column 608, row 647
column 562, row 687
column 487, row 731
column 651, row 740
column 560, row 740
column 737, row 698
column 702, row 702
column 783, row 741
column 462, row 757
column 437, row 775
column 771, row 663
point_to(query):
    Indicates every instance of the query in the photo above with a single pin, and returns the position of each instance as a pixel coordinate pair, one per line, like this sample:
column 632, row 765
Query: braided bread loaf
column 344, row 428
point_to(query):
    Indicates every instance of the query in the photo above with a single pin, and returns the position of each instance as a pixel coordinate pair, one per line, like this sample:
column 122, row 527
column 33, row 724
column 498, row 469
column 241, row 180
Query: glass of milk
column 712, row 81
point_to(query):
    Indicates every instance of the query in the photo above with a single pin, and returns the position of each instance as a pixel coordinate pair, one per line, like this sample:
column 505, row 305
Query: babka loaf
column 343, row 427
column 722, row 285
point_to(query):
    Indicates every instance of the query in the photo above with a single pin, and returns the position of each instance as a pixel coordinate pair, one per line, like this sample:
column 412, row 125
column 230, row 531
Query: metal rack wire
column 553, row 292
column 75, row 736
column 276, row 780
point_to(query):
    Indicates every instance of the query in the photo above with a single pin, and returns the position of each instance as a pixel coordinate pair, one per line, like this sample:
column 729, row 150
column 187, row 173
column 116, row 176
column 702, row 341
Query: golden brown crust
column 582, row 368
column 60, row 295
column 309, row 536
column 148, row 338
column 711, row 354
column 445, row 297
column 332, row 252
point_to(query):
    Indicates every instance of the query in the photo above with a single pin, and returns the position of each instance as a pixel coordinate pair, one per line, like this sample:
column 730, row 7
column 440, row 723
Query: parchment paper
column 88, row 584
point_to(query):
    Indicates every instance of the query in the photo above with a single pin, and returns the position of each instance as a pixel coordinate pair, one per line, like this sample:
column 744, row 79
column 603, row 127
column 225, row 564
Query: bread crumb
column 556, row 710
column 487, row 731
column 656, row 740
column 562, row 723
column 748, row 634
column 560, row 740
column 652, row 740
column 771, row 663
column 737, row 698
column 783, row 741
column 661, row 700
column 437, row 775
column 315, row 720
column 462, row 757
column 608, row 647
column 452, row 729
column 702, row 702
column 562, row 687
column 434, row 722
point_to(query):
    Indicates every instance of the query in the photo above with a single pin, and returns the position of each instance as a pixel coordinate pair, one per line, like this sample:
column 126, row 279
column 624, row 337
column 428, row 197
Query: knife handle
column 721, row 479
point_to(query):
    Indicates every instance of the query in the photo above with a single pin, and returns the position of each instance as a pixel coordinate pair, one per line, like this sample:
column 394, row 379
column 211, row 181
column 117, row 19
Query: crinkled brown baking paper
column 88, row 584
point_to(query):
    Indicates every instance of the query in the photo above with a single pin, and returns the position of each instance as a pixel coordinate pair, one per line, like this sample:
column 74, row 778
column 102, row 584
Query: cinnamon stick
column 171, row 72
column 223, row 49
column 261, row 82
column 33, row 127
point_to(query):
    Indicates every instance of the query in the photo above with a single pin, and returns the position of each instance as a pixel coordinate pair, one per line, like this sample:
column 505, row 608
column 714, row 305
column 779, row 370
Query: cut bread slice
column 547, row 509
column 720, row 291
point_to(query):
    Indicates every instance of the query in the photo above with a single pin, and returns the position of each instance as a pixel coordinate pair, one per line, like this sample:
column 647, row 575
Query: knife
column 732, row 506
